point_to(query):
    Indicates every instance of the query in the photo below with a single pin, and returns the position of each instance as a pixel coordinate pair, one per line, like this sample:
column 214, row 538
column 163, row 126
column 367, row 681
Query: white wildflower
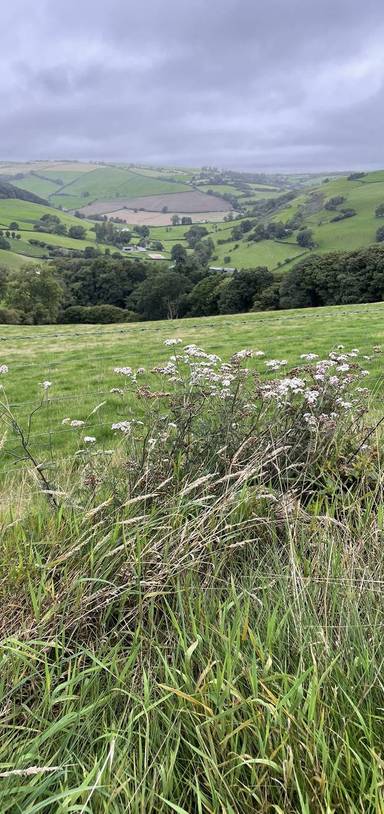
column 364, row 372
column 275, row 364
column 77, row 423
column 258, row 353
column 311, row 421
column 311, row 396
column 123, row 371
column 65, row 420
column 46, row 385
column 3, row 369
column 310, row 357
column 241, row 354
column 334, row 380
column 172, row 341
column 343, row 368
column 123, row 426
column 346, row 405
column 140, row 371
column 117, row 390
column 89, row 439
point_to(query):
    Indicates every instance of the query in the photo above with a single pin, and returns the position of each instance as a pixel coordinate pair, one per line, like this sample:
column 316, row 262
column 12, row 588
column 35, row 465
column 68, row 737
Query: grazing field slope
column 79, row 360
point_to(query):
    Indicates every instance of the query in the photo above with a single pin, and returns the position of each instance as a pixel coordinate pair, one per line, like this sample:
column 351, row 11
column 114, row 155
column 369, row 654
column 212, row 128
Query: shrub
column 10, row 316
column 98, row 314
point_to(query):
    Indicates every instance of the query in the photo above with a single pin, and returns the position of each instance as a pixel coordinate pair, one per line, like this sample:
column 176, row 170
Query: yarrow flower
column 124, row 426
column 89, row 439
column 123, row 371
column 3, row 369
column 76, row 423
column 172, row 341
column 46, row 385
column 343, row 368
column 117, row 390
column 310, row 357
column 275, row 364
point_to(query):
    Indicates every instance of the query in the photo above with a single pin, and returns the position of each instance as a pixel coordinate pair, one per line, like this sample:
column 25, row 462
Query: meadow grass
column 61, row 354
column 198, row 632
column 15, row 261
column 111, row 182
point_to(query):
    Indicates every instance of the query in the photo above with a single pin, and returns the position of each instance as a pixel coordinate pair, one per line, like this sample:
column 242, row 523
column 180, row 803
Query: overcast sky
column 248, row 84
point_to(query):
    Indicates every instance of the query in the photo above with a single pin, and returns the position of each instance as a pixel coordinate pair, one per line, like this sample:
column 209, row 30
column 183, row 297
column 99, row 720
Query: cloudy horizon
column 253, row 86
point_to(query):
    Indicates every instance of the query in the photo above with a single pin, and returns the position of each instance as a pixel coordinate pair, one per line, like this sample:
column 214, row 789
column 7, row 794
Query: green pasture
column 14, row 261
column 79, row 361
column 39, row 186
column 112, row 182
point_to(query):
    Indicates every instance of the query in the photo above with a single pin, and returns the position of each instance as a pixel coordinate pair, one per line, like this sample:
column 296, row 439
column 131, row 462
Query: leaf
column 191, row 650
column 186, row 697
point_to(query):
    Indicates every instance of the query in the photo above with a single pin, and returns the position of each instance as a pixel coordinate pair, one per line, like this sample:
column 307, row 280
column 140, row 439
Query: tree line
column 116, row 289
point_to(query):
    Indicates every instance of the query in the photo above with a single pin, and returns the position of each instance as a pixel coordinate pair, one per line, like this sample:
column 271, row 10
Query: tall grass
column 197, row 627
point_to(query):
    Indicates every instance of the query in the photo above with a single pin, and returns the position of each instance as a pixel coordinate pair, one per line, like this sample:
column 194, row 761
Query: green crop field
column 39, row 186
column 79, row 361
column 112, row 182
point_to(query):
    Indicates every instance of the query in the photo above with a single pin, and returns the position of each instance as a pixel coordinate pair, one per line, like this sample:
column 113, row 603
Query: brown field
column 176, row 202
column 162, row 218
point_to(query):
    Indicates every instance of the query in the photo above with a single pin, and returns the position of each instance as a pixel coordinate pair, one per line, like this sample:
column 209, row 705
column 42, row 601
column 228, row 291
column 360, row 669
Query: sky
column 293, row 85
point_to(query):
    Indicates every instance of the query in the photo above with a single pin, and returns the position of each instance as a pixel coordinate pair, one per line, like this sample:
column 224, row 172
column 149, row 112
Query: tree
column 242, row 288
column 4, row 243
column 35, row 291
column 195, row 234
column 160, row 295
column 305, row 238
column 380, row 234
column 178, row 254
column 77, row 232
column 4, row 276
column 334, row 202
column 15, row 226
column 204, row 298
column 379, row 211
column 175, row 220
column 204, row 250
column 335, row 278
column 186, row 221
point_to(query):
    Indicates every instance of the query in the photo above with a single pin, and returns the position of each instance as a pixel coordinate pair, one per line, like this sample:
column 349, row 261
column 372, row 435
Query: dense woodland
column 115, row 289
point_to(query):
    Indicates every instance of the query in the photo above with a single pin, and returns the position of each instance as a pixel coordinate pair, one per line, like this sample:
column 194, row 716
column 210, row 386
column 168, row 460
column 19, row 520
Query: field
column 26, row 214
column 191, row 611
column 183, row 202
column 163, row 218
column 118, row 190
column 79, row 360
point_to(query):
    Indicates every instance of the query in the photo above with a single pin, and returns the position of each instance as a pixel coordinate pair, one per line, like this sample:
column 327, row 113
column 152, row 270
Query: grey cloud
column 241, row 83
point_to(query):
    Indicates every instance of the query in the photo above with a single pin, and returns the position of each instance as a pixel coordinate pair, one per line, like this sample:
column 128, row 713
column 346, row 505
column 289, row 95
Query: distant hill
column 8, row 190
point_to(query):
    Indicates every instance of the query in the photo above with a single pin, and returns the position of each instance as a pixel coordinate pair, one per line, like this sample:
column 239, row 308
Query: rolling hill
column 151, row 195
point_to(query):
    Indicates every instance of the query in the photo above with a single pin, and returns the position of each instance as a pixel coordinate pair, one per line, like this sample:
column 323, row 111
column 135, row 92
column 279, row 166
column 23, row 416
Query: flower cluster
column 3, row 369
column 74, row 422
column 276, row 364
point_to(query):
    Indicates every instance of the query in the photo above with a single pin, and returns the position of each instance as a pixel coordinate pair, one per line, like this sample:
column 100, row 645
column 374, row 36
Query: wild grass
column 79, row 361
column 196, row 626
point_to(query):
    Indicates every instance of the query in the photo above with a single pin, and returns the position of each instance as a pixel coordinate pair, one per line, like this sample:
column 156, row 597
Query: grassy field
column 79, row 360
column 15, row 261
column 112, row 182
column 191, row 623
